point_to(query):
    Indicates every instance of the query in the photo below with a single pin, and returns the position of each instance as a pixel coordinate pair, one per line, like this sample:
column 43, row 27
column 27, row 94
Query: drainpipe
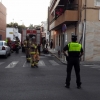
column 84, row 30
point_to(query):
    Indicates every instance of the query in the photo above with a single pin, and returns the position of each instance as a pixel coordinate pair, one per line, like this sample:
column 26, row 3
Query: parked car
column 4, row 49
column 13, row 47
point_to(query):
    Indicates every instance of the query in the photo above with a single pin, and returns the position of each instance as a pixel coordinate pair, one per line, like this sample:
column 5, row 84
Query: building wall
column 93, row 41
column 92, row 37
column 2, row 21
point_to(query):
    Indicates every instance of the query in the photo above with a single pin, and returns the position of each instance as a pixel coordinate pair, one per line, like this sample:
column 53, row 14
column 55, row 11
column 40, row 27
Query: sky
column 26, row 11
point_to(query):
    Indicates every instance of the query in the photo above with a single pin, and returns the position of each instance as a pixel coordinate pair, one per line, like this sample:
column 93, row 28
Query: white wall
column 12, row 33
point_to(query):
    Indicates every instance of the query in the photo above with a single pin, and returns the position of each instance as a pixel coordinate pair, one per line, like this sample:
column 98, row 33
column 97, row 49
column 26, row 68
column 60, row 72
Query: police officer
column 74, row 52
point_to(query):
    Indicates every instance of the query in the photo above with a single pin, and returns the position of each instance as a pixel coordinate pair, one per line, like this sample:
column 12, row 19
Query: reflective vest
column 74, row 46
column 16, row 42
column 34, row 46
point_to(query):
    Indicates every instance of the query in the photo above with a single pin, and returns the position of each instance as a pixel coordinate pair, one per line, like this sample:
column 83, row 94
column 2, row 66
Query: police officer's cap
column 74, row 36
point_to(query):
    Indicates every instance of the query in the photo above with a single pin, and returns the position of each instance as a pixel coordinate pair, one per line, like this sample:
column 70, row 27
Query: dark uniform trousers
column 73, row 61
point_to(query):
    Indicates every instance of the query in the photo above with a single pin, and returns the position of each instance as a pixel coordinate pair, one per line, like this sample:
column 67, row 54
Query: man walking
column 51, row 44
column 75, row 51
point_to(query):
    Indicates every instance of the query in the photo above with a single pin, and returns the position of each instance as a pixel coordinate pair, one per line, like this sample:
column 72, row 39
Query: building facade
column 44, row 32
column 80, row 17
column 2, row 22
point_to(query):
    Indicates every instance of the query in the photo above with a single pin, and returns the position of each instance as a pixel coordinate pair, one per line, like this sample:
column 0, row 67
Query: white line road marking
column 41, row 63
column 1, row 63
column 42, row 57
column 23, row 56
column 53, row 62
column 12, row 64
column 24, row 64
column 93, row 66
column 48, row 55
column 88, row 65
column 96, row 66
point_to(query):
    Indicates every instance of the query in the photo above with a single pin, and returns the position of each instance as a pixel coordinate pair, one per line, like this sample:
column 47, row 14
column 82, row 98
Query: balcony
column 68, row 16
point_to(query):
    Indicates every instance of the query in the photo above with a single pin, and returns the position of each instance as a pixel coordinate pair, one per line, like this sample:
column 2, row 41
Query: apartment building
column 2, row 22
column 81, row 17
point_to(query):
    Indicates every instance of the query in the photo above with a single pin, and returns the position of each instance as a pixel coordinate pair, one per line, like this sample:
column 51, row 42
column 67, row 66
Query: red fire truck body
column 31, row 33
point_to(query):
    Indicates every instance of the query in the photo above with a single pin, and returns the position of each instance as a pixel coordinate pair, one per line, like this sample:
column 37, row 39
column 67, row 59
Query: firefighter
column 24, row 45
column 34, row 53
column 36, row 56
column 27, row 50
column 75, row 51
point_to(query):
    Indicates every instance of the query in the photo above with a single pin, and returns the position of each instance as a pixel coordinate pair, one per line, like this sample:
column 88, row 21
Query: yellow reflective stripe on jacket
column 37, row 52
column 74, row 46
column 35, row 47
column 32, row 52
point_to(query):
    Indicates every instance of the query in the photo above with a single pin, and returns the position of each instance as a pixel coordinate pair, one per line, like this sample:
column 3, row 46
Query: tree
column 31, row 26
column 37, row 26
column 15, row 25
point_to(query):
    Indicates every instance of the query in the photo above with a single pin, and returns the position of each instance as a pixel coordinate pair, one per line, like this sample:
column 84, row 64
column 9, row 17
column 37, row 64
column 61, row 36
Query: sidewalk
column 63, row 60
column 55, row 53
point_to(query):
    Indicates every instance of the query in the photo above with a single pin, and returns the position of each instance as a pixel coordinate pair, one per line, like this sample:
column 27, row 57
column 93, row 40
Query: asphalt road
column 18, row 81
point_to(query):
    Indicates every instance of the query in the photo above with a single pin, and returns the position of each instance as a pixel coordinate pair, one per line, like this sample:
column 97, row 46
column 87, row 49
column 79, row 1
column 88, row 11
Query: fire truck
column 36, row 33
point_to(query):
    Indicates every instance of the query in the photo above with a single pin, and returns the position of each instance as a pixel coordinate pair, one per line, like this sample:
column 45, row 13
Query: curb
column 58, row 58
column 81, row 62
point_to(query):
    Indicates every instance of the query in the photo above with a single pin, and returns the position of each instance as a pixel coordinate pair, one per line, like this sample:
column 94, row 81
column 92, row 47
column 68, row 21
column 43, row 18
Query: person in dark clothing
column 44, row 43
column 47, row 42
column 39, row 47
column 51, row 44
column 75, row 51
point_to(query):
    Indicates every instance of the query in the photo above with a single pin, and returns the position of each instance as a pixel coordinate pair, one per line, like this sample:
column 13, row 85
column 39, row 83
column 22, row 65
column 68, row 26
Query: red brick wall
column 2, row 21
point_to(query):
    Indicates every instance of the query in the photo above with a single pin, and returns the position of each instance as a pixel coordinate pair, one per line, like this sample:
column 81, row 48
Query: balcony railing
column 66, row 7
column 67, row 17
column 71, row 7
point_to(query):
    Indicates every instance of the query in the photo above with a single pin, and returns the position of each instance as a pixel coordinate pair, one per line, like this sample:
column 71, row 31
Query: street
column 18, row 81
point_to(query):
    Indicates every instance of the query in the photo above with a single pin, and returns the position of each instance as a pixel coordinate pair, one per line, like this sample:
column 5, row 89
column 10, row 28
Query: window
column 97, row 2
